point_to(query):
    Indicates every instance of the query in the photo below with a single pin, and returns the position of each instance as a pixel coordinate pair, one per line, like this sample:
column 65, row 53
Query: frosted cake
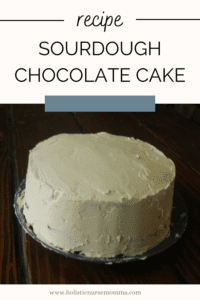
column 100, row 194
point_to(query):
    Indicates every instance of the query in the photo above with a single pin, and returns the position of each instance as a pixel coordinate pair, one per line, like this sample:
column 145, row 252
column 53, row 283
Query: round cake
column 100, row 194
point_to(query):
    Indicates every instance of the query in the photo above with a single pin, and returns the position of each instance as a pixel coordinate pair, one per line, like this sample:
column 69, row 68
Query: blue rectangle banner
column 99, row 103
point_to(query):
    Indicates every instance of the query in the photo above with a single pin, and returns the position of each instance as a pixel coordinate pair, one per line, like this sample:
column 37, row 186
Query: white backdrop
column 180, row 48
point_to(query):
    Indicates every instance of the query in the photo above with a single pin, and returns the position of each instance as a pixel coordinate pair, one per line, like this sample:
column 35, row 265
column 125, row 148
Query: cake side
column 110, row 221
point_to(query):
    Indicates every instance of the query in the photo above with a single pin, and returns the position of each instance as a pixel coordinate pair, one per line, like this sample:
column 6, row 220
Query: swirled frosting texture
column 100, row 194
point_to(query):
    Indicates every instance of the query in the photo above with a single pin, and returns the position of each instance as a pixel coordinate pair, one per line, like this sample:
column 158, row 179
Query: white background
column 180, row 48
column 148, row 291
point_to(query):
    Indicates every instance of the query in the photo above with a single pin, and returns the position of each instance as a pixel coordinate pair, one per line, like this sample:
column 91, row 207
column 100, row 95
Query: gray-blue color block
column 100, row 103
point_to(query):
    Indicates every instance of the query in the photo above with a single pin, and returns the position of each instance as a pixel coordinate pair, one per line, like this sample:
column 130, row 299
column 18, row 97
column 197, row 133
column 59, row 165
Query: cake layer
column 99, row 194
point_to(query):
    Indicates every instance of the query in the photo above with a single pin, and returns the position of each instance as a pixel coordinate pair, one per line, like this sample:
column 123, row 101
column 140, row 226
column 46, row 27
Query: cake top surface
column 101, row 167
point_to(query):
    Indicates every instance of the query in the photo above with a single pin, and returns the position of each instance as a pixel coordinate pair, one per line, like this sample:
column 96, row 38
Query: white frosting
column 100, row 194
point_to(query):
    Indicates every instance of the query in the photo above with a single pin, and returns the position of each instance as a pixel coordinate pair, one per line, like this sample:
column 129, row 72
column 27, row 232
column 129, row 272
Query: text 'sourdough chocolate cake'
column 100, row 194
